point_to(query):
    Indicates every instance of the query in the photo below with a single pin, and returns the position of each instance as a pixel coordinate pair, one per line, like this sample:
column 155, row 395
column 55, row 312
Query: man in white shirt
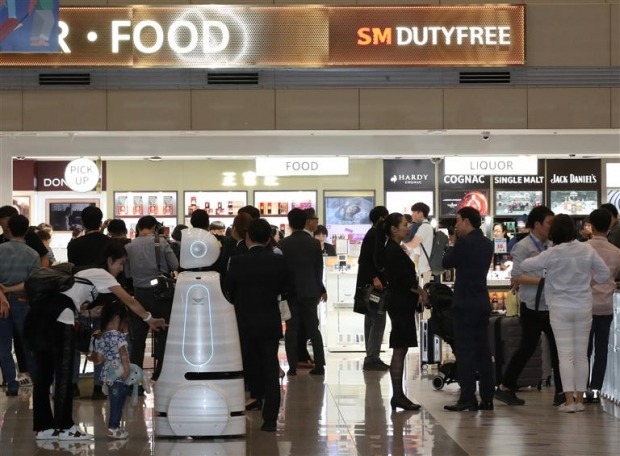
column 422, row 241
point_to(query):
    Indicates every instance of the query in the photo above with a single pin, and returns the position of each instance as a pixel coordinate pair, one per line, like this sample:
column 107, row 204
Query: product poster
column 515, row 203
column 574, row 202
column 67, row 215
column 29, row 26
column 613, row 197
column 453, row 200
column 402, row 201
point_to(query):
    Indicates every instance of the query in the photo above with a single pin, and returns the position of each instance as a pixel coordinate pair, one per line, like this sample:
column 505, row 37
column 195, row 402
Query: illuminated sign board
column 492, row 166
column 217, row 36
column 302, row 166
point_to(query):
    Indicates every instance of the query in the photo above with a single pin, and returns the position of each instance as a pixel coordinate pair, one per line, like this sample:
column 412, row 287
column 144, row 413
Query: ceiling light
column 155, row 158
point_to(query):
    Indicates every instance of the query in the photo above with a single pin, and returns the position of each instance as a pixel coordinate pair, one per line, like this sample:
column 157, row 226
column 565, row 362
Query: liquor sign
column 461, row 190
column 220, row 36
column 490, row 166
column 519, row 194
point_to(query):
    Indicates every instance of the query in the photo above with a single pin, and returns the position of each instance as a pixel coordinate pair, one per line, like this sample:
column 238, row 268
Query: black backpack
column 49, row 281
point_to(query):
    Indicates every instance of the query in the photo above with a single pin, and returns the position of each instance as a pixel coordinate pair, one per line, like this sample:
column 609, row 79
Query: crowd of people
column 260, row 268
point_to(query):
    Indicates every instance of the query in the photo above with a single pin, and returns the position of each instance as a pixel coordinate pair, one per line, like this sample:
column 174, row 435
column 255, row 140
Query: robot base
column 201, row 409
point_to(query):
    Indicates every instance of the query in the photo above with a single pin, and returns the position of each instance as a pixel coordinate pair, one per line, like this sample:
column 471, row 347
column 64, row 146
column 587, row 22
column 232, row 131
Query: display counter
column 611, row 385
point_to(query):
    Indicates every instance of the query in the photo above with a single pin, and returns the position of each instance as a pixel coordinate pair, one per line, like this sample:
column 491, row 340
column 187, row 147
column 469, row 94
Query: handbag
column 375, row 299
column 164, row 284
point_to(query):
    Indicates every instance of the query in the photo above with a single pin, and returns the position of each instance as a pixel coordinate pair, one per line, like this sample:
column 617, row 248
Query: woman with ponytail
column 402, row 295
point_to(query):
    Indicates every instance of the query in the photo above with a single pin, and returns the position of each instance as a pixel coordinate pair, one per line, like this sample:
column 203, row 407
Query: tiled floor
column 345, row 413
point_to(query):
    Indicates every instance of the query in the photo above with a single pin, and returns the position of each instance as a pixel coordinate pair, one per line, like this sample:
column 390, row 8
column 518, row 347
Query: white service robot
column 200, row 390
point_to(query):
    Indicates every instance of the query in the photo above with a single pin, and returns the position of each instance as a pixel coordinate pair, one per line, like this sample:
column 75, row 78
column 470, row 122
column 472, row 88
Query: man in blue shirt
column 18, row 262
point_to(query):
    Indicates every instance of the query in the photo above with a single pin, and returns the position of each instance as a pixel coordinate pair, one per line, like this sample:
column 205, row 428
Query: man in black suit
column 305, row 265
column 368, row 274
column 254, row 282
column 471, row 256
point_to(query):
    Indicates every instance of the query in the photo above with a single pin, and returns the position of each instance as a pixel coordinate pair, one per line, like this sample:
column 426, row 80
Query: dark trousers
column 533, row 323
column 473, row 355
column 303, row 311
column 599, row 341
column 139, row 329
column 54, row 364
column 261, row 370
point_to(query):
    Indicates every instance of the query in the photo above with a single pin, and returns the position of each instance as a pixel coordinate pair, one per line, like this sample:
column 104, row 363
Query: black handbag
column 164, row 284
column 375, row 299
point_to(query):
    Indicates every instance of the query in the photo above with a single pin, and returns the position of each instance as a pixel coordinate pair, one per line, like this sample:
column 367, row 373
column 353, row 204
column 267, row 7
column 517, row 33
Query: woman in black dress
column 402, row 295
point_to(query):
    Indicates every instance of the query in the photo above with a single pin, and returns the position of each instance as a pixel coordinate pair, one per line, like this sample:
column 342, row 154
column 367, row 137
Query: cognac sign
column 219, row 36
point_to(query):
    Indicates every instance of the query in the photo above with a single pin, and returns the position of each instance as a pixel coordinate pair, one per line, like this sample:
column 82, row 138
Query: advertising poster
column 67, row 215
column 613, row 197
column 347, row 217
column 575, row 202
column 453, row 200
column 29, row 26
column 402, row 201
column 513, row 203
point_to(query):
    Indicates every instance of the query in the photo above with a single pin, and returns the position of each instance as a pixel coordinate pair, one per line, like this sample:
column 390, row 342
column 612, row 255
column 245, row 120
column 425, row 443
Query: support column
column 6, row 173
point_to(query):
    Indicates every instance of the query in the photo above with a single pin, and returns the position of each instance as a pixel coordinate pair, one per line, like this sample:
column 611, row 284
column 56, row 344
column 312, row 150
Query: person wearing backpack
column 49, row 328
column 421, row 245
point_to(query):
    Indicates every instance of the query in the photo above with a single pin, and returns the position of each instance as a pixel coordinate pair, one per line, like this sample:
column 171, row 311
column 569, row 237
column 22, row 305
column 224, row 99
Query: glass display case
column 221, row 206
column 275, row 205
column 130, row 206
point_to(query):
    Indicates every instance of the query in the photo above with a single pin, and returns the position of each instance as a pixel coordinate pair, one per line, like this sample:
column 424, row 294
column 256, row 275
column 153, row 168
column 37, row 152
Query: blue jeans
column 19, row 311
column 117, row 394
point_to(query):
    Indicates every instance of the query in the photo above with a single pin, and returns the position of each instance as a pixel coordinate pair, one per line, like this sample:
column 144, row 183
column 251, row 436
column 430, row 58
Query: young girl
column 111, row 349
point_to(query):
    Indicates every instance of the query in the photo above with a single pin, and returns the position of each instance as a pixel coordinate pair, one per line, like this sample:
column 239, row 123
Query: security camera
column 486, row 135
column 436, row 160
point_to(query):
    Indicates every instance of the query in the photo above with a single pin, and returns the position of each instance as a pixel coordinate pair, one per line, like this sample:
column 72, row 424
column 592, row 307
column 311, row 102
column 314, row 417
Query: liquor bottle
column 220, row 208
column 261, row 208
column 268, row 208
column 494, row 301
column 230, row 208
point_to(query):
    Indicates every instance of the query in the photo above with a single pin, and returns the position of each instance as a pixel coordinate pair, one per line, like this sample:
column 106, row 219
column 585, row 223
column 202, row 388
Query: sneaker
column 566, row 408
column 508, row 397
column 118, row 434
column 74, row 433
column 25, row 382
column 48, row 434
column 559, row 399
column 579, row 407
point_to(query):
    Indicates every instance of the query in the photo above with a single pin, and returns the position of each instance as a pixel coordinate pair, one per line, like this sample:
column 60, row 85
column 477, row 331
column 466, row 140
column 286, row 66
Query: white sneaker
column 579, row 407
column 566, row 408
column 118, row 434
column 74, row 433
column 48, row 434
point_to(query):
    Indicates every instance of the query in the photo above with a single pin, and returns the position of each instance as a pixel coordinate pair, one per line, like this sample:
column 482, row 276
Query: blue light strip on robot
column 197, row 325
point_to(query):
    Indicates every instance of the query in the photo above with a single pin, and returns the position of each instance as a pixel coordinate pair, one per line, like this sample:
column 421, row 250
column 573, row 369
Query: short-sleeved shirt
column 529, row 247
column 18, row 262
column 80, row 293
column 425, row 231
column 109, row 346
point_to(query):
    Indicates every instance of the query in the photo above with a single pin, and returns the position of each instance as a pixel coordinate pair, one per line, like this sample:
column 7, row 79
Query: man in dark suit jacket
column 368, row 274
column 254, row 282
column 471, row 256
column 305, row 265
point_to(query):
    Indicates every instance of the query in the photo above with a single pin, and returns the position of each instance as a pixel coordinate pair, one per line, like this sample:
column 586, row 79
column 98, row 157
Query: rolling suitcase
column 504, row 339
column 430, row 345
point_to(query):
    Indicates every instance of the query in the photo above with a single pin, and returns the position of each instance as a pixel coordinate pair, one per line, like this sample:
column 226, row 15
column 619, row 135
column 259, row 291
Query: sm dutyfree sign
column 221, row 36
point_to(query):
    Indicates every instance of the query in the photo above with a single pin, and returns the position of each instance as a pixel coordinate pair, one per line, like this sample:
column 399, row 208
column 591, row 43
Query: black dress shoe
column 269, row 426
column 256, row 404
column 485, row 405
column 462, row 407
column 317, row 370
column 403, row 403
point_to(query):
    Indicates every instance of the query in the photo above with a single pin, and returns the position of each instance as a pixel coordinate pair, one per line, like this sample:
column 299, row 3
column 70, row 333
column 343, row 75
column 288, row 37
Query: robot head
column 199, row 248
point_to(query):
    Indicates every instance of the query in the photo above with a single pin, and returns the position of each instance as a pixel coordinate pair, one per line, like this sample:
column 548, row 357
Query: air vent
column 484, row 77
column 232, row 78
column 64, row 79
